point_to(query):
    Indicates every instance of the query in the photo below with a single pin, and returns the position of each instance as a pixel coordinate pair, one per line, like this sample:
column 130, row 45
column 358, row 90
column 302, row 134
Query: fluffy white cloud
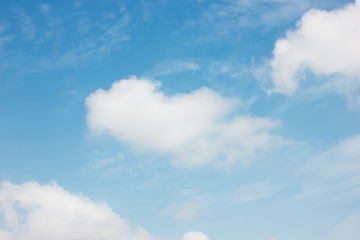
column 335, row 170
column 326, row 42
column 40, row 212
column 195, row 236
column 195, row 128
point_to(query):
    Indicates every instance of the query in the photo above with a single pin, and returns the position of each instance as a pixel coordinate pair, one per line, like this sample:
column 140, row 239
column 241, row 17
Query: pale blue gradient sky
column 289, row 171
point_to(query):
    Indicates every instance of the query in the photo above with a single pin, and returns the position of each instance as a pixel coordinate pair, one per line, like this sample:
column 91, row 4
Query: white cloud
column 33, row 211
column 188, row 210
column 196, row 128
column 2, row 28
column 96, row 40
column 195, row 236
column 88, row 35
column 325, row 42
column 4, row 40
column 253, row 192
column 335, row 171
column 223, row 19
column 148, row 7
column 105, row 165
column 52, row 21
column 175, row 66
column 44, row 8
column 28, row 29
column 78, row 3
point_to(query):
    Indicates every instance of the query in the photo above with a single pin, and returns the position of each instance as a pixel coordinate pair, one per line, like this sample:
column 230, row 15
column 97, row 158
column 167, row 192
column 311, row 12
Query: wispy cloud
column 209, row 68
column 186, row 210
column 253, row 192
column 93, row 40
column 28, row 28
column 44, row 8
column 148, row 8
column 174, row 66
column 4, row 40
column 105, row 165
column 333, row 172
column 51, row 20
column 348, row 229
column 190, row 209
column 71, row 39
column 221, row 19
column 2, row 28
column 78, row 3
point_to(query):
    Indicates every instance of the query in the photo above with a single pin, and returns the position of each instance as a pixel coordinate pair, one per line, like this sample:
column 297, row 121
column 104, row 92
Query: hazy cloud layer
column 169, row 67
column 325, row 42
column 59, row 37
column 335, row 170
column 40, row 212
column 219, row 20
column 189, row 210
column 195, row 128
column 253, row 192
column 28, row 29
column 348, row 229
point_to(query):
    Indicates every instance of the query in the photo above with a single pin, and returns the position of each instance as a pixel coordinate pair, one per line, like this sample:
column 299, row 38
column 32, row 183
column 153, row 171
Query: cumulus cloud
column 195, row 128
column 33, row 211
column 334, row 171
column 195, row 236
column 324, row 42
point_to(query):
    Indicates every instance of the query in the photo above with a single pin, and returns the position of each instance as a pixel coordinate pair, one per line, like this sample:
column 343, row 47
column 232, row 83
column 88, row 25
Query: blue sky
column 180, row 120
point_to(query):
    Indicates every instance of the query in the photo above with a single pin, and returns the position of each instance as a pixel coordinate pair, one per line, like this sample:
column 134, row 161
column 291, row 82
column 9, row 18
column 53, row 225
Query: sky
column 180, row 120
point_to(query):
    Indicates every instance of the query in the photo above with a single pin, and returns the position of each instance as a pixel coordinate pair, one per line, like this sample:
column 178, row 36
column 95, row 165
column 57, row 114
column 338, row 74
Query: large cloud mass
column 326, row 42
column 195, row 128
column 41, row 212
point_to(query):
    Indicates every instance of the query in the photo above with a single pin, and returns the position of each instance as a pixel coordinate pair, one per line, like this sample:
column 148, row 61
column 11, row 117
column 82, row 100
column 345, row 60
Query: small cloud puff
column 33, row 211
column 195, row 236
